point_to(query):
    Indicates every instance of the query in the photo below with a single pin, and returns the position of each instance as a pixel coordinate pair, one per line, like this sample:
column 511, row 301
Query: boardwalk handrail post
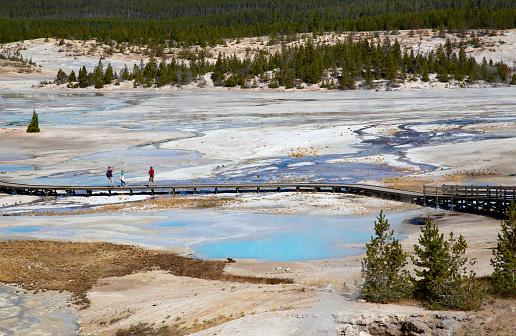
column 437, row 197
column 488, row 199
column 451, row 197
column 496, row 201
column 465, row 197
column 476, row 208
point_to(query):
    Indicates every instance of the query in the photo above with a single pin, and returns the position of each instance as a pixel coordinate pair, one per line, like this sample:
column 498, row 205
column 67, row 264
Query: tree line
column 212, row 29
column 342, row 65
column 173, row 9
column 442, row 280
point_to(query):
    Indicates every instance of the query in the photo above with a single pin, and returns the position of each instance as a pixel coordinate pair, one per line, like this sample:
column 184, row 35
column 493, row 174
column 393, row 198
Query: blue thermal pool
column 214, row 234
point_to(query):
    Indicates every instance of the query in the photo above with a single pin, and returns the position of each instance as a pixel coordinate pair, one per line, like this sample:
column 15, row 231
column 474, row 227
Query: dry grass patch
column 76, row 266
column 416, row 183
column 16, row 66
column 495, row 318
column 301, row 152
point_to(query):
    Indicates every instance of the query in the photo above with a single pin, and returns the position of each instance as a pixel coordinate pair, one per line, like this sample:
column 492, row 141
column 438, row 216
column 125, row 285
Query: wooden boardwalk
column 485, row 200
column 193, row 188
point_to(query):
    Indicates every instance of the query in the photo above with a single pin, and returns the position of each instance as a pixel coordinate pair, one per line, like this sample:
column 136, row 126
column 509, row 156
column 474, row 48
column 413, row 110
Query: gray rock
column 350, row 330
column 417, row 326
column 448, row 324
column 472, row 317
column 392, row 329
column 445, row 316
column 375, row 329
column 461, row 317
column 361, row 322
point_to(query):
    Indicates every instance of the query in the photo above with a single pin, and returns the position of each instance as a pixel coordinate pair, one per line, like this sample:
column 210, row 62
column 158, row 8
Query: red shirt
column 151, row 172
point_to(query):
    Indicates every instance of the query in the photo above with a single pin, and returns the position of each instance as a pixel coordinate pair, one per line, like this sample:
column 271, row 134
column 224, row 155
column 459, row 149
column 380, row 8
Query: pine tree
column 34, row 123
column 444, row 283
column 369, row 78
column 424, row 73
column 384, row 279
column 72, row 78
column 108, row 74
column 163, row 78
column 504, row 260
column 347, row 82
column 83, row 77
column 125, row 73
column 61, row 77
column 98, row 75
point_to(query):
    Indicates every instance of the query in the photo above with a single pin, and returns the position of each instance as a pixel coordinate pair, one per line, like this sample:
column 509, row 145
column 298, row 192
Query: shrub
column 504, row 260
column 61, row 77
column 273, row 84
column 444, row 283
column 384, row 279
column 34, row 123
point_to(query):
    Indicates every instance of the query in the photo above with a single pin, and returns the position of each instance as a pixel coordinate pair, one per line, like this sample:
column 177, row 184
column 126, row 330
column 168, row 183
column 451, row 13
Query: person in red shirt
column 151, row 176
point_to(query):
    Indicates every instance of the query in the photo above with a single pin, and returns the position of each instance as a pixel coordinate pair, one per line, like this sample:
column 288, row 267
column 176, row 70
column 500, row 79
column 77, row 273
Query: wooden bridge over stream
column 485, row 200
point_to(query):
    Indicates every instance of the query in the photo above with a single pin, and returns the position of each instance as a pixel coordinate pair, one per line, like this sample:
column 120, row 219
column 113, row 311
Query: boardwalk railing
column 486, row 200
column 360, row 189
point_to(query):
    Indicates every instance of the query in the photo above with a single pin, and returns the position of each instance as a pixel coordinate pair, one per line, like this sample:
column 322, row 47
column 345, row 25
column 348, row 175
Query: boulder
column 417, row 326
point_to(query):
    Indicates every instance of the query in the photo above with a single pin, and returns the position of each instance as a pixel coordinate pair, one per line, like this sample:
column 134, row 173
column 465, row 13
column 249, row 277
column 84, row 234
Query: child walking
column 122, row 178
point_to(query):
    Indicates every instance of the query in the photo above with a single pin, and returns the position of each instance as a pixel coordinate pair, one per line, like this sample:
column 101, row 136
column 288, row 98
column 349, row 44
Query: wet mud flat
column 27, row 312
column 232, row 136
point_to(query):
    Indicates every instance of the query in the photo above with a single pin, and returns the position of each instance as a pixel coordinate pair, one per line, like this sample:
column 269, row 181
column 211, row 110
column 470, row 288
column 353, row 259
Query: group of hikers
column 110, row 171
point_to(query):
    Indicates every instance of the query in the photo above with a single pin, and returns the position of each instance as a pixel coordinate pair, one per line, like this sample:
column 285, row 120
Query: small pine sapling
column 34, row 123
column 384, row 279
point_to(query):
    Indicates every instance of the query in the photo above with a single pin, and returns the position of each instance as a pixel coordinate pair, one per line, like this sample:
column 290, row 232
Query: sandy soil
column 487, row 157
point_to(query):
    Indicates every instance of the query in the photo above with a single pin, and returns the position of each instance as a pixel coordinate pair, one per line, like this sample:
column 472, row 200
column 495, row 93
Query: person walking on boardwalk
column 151, row 176
column 109, row 175
column 122, row 178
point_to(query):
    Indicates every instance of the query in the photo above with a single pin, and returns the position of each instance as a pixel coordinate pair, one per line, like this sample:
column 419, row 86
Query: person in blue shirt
column 122, row 178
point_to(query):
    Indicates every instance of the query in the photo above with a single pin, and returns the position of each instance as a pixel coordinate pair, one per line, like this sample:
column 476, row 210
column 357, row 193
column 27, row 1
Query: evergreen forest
column 209, row 21
column 345, row 65
column 356, row 63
